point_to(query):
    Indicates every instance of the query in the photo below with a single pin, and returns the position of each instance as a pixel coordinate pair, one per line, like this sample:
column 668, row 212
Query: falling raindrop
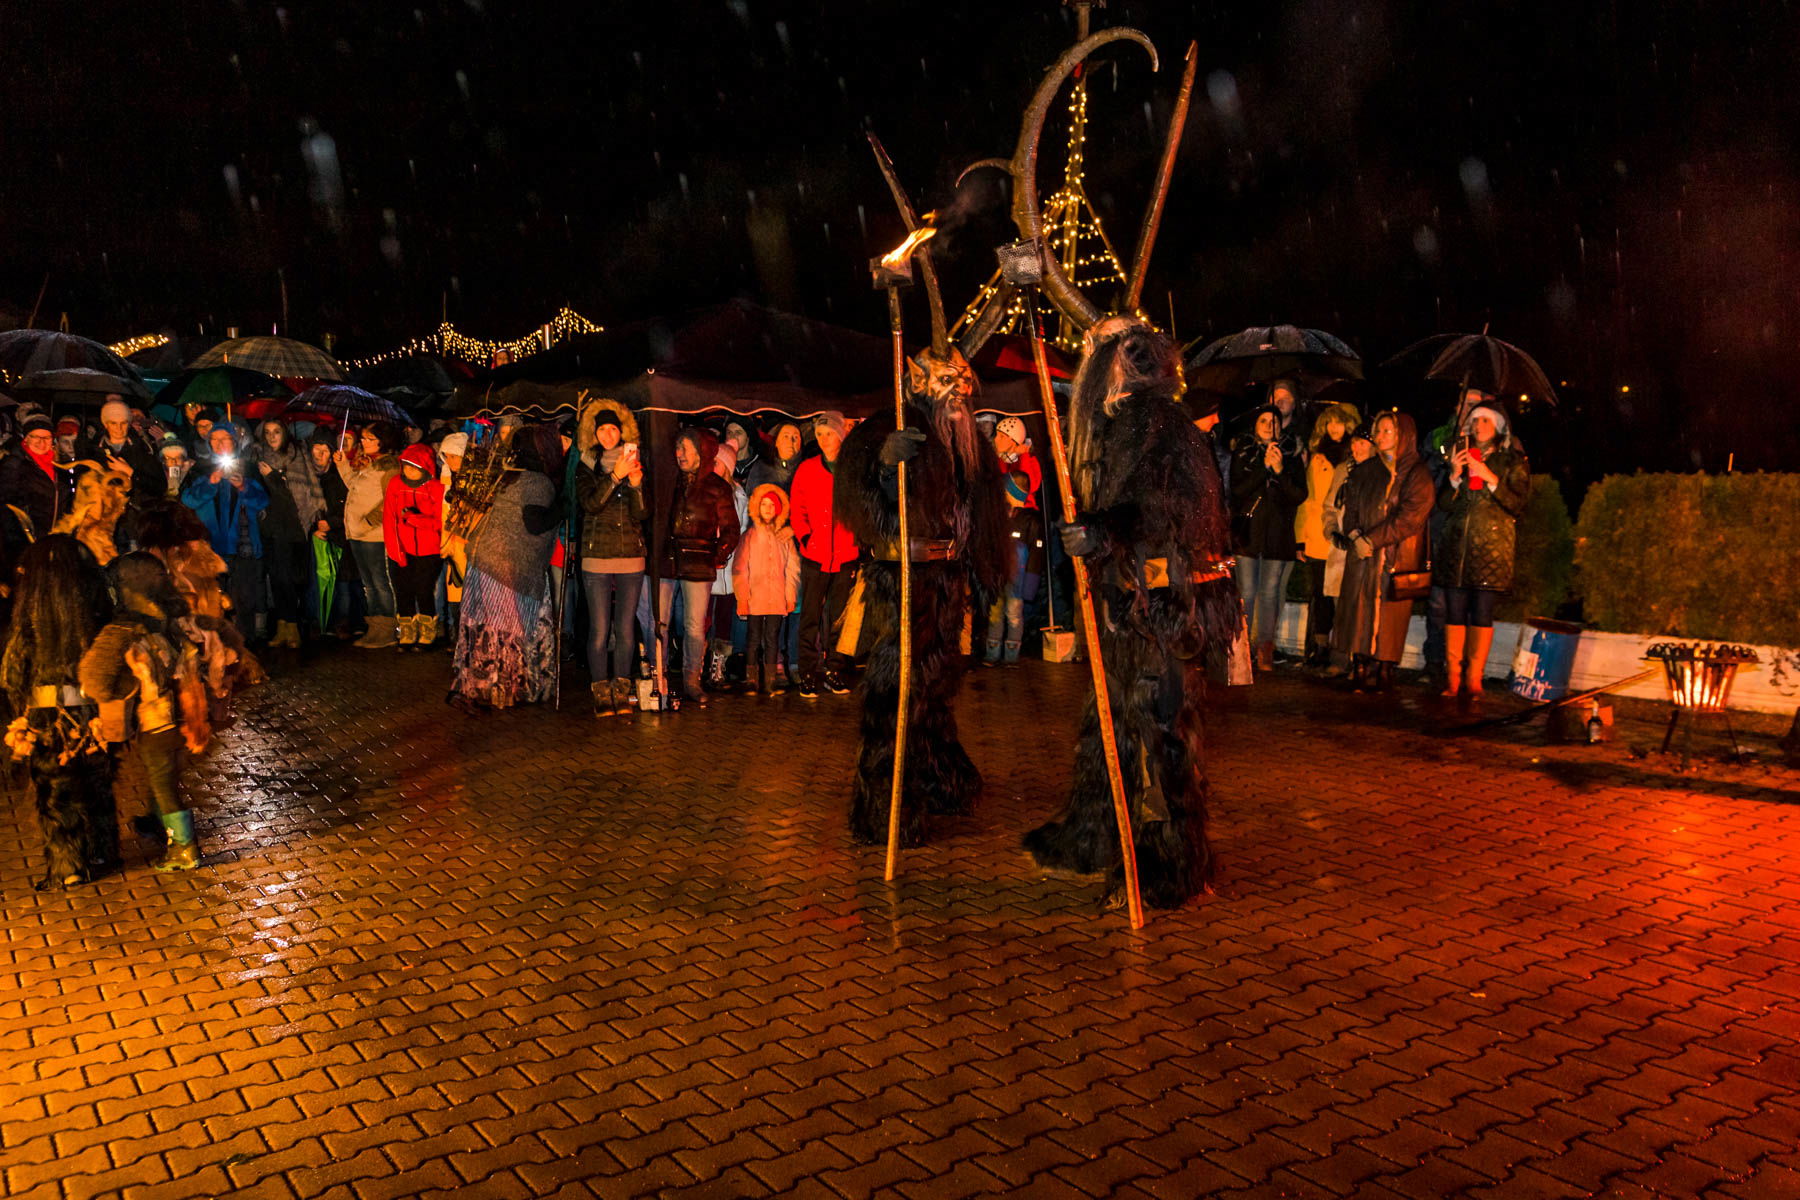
column 233, row 186
column 1222, row 90
column 682, row 179
column 462, row 83
column 740, row 9
column 1425, row 245
column 1474, row 174
column 781, row 35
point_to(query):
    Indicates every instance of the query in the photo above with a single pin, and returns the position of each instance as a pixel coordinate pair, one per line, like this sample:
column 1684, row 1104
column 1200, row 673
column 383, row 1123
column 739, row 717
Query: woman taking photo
column 296, row 505
column 1386, row 503
column 1489, row 483
column 1267, row 487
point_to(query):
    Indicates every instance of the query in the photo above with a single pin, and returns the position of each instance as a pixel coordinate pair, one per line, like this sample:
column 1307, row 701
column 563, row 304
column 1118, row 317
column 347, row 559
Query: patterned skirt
column 505, row 644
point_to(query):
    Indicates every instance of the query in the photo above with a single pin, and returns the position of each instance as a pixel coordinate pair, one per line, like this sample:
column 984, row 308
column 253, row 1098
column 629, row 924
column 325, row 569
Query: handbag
column 1408, row 585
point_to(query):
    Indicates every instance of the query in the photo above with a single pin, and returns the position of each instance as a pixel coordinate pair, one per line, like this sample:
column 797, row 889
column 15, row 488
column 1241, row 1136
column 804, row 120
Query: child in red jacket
column 411, row 523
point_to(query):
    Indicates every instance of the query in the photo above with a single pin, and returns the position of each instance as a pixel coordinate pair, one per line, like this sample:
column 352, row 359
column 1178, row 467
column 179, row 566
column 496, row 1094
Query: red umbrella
column 1012, row 352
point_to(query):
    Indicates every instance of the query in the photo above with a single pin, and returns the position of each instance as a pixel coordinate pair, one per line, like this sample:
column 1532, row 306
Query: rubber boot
column 1455, row 639
column 407, row 631
column 1480, row 642
column 603, row 699
column 380, row 635
column 428, row 631
column 991, row 654
column 183, row 852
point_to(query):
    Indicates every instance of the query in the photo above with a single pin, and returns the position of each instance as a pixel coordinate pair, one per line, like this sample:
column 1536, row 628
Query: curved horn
column 940, row 335
column 993, row 164
column 976, row 333
column 1062, row 292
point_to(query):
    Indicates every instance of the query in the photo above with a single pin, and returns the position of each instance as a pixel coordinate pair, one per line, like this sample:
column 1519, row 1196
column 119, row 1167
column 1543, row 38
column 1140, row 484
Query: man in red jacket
column 827, row 560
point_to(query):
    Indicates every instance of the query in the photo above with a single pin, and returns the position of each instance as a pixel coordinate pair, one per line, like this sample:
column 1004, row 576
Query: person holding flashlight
column 230, row 503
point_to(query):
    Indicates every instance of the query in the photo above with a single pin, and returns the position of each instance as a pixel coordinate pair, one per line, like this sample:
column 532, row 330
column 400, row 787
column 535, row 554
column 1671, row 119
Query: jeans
column 1262, row 582
column 1006, row 615
column 790, row 637
column 290, row 566
column 161, row 753
column 696, row 595
column 244, row 584
column 823, row 595
column 372, row 565
column 612, row 602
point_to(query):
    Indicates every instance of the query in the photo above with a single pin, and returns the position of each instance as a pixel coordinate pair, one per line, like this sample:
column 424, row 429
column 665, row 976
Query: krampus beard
column 959, row 437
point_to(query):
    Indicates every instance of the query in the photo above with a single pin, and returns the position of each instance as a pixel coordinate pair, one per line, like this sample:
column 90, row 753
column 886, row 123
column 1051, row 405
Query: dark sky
column 1612, row 185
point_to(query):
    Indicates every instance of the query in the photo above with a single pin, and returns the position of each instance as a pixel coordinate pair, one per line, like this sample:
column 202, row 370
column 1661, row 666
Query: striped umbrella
column 33, row 351
column 278, row 356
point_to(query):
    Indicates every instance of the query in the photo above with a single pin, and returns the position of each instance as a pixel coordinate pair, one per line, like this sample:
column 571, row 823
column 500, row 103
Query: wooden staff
column 1140, row 264
column 1084, row 596
column 893, row 839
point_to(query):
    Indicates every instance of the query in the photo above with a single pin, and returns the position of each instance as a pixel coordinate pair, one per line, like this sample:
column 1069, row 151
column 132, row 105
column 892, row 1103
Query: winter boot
column 183, row 852
column 1265, row 656
column 624, row 691
column 603, row 698
column 428, row 631
column 380, row 635
column 407, row 629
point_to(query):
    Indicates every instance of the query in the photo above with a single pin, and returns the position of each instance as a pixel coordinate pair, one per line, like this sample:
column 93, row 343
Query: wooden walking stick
column 1084, row 598
column 892, row 271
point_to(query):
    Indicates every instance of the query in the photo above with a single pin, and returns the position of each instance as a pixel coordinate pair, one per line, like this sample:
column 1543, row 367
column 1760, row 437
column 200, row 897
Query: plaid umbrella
column 31, row 351
column 346, row 404
column 282, row 357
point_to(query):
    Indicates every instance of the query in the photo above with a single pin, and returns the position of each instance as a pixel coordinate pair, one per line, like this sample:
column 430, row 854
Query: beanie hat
column 1018, row 486
column 115, row 410
column 607, row 416
column 35, row 422
column 725, row 459
column 1014, row 428
column 832, row 420
column 68, row 427
column 1490, row 412
column 454, row 443
column 419, row 455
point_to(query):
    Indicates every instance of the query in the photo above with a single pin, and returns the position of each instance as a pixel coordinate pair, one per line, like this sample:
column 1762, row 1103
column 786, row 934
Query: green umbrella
column 325, row 565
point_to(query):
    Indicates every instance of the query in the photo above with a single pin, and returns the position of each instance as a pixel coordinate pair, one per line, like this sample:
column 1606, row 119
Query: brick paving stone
column 428, row 957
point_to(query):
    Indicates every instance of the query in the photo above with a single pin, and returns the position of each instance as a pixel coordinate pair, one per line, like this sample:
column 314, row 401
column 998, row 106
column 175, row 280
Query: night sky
column 1612, row 185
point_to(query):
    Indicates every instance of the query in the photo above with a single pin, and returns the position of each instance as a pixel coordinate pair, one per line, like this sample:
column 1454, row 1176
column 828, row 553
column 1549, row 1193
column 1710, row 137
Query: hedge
column 1699, row 556
column 1543, row 556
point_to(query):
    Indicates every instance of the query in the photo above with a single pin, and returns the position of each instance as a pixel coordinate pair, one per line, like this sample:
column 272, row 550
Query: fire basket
column 1699, row 679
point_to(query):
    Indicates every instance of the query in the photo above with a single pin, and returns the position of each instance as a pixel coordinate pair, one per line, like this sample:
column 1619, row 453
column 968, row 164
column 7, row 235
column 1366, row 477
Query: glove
column 1079, row 539
column 900, row 446
column 1364, row 547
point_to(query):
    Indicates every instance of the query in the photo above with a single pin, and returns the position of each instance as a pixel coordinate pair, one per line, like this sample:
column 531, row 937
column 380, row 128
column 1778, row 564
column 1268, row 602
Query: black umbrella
column 33, row 351
column 1265, row 353
column 1476, row 360
column 82, row 385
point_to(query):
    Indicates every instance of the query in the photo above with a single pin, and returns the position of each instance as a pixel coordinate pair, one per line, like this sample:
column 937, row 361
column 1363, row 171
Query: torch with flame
column 895, row 268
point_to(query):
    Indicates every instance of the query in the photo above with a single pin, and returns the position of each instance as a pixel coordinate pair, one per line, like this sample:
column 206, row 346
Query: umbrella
column 1012, row 352
column 325, row 566
column 1265, row 353
column 218, row 387
column 83, row 385
column 345, row 404
column 278, row 356
column 1479, row 361
column 31, row 351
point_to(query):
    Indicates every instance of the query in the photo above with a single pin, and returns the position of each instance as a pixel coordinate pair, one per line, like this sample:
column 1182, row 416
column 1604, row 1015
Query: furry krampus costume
column 170, row 530
column 60, row 603
column 957, row 518
column 1155, row 536
column 101, row 494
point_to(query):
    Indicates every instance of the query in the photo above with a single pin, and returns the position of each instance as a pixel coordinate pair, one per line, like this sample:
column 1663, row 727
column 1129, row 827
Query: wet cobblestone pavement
column 540, row 954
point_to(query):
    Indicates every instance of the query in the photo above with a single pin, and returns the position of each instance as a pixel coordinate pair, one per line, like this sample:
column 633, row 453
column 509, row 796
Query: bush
column 1543, row 557
column 1699, row 556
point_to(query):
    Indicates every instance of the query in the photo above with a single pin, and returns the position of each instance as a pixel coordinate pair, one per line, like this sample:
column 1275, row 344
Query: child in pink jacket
column 766, row 577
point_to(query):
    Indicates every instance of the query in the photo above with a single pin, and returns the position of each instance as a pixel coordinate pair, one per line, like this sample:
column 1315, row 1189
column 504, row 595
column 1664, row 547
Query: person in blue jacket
column 230, row 503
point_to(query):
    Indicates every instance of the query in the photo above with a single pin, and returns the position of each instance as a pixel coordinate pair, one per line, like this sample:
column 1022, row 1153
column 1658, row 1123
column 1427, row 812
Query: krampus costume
column 1155, row 536
column 158, row 673
column 60, row 602
column 957, row 522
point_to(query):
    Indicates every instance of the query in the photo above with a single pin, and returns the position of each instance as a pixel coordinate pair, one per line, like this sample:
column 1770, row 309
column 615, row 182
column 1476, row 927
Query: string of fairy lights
column 1072, row 232
column 451, row 342
column 139, row 344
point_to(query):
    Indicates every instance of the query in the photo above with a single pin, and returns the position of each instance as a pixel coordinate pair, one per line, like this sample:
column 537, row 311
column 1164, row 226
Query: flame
column 896, row 258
